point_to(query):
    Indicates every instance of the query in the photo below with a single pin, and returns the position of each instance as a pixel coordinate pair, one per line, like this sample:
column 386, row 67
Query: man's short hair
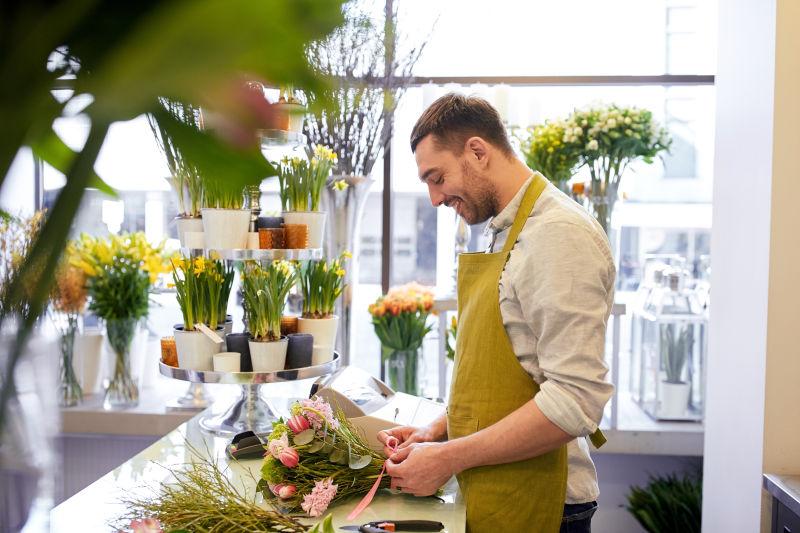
column 454, row 118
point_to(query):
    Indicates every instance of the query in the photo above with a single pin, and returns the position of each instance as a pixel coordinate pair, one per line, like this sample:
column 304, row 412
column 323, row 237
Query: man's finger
column 394, row 469
column 400, row 455
column 397, row 483
column 383, row 435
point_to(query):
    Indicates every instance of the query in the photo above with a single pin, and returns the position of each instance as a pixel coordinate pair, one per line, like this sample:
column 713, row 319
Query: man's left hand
column 420, row 468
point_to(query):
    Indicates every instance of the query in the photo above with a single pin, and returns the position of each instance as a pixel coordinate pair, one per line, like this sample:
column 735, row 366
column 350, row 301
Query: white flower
column 592, row 145
column 612, row 123
column 584, row 123
column 577, row 131
column 628, row 120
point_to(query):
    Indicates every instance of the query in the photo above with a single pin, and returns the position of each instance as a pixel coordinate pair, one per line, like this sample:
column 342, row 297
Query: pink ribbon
column 392, row 443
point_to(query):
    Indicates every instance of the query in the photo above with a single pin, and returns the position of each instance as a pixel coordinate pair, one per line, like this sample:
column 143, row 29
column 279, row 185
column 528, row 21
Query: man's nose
column 437, row 197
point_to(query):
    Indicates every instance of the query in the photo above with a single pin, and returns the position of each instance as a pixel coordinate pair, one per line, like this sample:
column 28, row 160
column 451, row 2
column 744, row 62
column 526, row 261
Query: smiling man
column 529, row 379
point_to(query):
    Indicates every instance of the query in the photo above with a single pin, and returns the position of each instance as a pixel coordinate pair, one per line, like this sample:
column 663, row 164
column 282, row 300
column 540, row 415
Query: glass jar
column 402, row 369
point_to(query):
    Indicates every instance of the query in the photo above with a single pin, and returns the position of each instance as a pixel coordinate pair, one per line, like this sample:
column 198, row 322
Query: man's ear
column 478, row 149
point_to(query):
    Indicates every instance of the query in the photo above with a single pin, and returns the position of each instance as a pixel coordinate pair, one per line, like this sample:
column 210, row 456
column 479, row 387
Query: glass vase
column 122, row 390
column 601, row 200
column 401, row 368
column 69, row 390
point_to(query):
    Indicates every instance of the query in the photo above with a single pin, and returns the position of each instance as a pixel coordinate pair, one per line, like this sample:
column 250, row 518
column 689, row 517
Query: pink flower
column 284, row 491
column 298, row 423
column 321, row 406
column 148, row 525
column 289, row 457
column 276, row 446
column 321, row 495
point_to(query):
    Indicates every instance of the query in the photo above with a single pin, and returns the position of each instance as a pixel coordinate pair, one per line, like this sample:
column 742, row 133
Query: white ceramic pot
column 186, row 224
column 88, row 361
column 227, row 362
column 324, row 332
column 674, row 400
column 268, row 356
column 195, row 350
column 252, row 240
column 194, row 240
column 226, row 228
column 315, row 220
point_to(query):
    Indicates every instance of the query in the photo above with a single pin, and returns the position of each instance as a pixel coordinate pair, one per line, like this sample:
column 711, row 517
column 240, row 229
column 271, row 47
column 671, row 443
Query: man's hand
column 404, row 436
column 420, row 468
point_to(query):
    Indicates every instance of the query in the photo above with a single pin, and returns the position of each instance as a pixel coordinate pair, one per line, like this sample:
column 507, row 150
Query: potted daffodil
column 301, row 184
column 265, row 290
column 321, row 282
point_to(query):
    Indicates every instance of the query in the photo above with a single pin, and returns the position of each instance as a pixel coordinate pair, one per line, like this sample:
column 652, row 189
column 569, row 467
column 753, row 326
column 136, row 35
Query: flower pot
column 226, row 228
column 674, row 399
column 268, row 356
column 300, row 351
column 194, row 240
column 269, row 222
column 227, row 362
column 228, row 325
column 290, row 116
column 195, row 350
column 188, row 224
column 324, row 332
column 240, row 343
column 315, row 220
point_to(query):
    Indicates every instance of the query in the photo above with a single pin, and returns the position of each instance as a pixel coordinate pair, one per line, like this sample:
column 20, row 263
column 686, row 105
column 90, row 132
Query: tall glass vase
column 345, row 210
column 402, row 369
column 122, row 390
column 601, row 200
column 69, row 390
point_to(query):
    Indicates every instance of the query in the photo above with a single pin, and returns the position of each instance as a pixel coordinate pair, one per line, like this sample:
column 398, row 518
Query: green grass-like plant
column 668, row 504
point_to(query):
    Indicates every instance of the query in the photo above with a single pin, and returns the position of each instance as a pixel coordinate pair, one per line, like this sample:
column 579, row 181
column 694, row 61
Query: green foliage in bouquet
column 120, row 270
column 317, row 458
column 301, row 181
column 203, row 287
column 545, row 151
column 321, row 283
column 265, row 291
column 668, row 504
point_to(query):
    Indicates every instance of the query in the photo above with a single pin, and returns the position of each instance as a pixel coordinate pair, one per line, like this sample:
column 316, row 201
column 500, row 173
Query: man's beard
column 479, row 199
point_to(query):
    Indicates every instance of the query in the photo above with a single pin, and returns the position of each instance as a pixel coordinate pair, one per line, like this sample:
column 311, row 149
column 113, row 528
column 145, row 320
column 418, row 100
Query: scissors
column 387, row 526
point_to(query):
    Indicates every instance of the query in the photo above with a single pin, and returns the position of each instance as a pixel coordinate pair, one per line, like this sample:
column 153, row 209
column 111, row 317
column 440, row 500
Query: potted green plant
column 668, row 503
column 264, row 291
column 120, row 271
column 676, row 343
column 301, row 184
column 185, row 179
column 225, row 221
column 202, row 288
column 321, row 283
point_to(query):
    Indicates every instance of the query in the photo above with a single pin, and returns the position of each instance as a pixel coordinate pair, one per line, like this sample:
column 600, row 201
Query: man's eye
column 439, row 180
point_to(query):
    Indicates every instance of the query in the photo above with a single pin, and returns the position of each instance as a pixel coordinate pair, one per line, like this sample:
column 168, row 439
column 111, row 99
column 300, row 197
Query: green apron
column 488, row 384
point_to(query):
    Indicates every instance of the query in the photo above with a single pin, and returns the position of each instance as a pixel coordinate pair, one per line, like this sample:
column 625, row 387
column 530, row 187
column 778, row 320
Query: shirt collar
column 505, row 218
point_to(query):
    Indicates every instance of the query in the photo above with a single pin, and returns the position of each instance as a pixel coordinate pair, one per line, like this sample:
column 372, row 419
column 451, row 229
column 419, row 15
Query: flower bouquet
column 400, row 319
column 120, row 271
column 301, row 184
column 317, row 458
column 321, row 283
column 67, row 301
column 202, row 288
column 545, row 151
column 265, row 291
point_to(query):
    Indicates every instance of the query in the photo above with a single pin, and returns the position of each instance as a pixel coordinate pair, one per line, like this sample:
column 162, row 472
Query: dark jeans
column 578, row 517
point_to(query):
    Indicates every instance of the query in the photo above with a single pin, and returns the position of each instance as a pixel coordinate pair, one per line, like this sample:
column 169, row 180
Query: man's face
column 458, row 182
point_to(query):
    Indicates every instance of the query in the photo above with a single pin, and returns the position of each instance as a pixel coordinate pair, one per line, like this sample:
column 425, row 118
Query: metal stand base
column 194, row 399
column 248, row 413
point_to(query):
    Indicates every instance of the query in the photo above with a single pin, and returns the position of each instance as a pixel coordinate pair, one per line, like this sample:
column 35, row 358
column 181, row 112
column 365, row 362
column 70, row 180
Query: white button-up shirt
column 556, row 293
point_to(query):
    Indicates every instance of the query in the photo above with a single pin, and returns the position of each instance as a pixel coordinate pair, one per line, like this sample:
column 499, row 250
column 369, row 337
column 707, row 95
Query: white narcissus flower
column 612, row 123
column 592, row 145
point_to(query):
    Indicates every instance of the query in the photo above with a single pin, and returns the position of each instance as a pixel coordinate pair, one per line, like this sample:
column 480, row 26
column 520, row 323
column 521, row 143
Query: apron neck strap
column 535, row 188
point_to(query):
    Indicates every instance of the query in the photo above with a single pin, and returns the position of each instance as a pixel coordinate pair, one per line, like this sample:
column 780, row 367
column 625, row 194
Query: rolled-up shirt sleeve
column 564, row 284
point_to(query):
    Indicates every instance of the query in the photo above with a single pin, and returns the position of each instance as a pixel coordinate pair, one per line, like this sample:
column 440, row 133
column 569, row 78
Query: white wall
column 755, row 270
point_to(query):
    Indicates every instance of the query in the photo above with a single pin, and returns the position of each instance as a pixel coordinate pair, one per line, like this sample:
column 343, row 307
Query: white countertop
column 93, row 508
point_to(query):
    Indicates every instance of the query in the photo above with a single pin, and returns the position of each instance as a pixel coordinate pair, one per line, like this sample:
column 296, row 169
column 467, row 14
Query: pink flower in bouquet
column 321, row 495
column 319, row 406
column 284, row 491
column 298, row 423
column 276, row 446
column 148, row 525
column 289, row 457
